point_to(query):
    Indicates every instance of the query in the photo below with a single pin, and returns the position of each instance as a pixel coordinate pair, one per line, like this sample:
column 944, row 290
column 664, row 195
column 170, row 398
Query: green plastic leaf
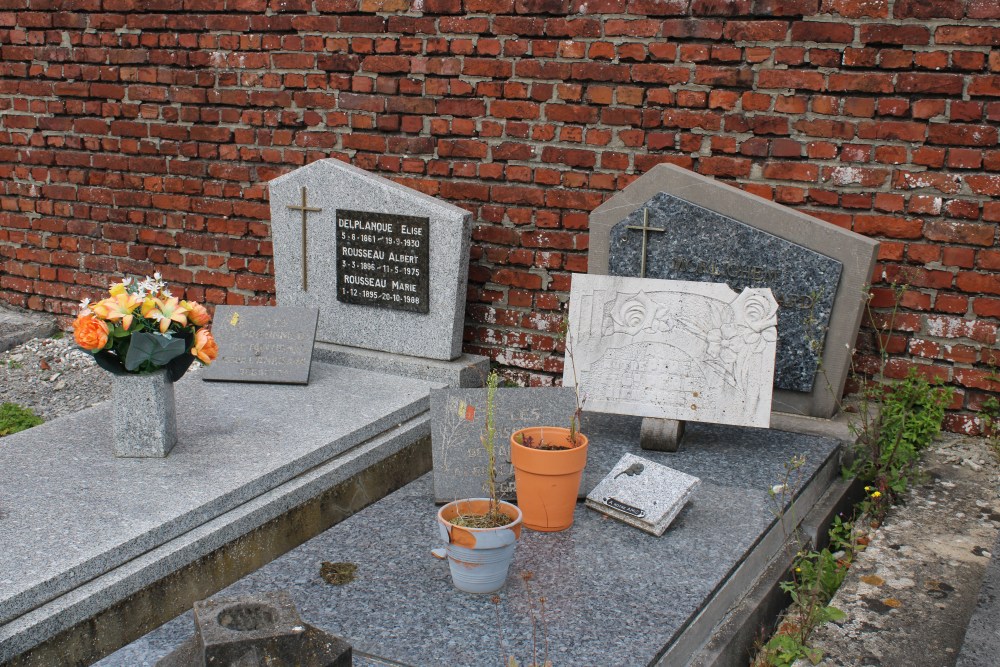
column 110, row 362
column 158, row 350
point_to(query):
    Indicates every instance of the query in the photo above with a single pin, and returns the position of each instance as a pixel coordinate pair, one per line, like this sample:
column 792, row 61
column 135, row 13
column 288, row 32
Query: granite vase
column 479, row 558
column 145, row 420
column 547, row 481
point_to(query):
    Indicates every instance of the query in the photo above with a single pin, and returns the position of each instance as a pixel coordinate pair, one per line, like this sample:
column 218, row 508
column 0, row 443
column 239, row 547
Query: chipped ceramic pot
column 479, row 558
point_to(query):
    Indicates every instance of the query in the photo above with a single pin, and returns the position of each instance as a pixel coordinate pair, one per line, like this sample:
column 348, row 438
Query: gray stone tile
column 614, row 595
column 72, row 510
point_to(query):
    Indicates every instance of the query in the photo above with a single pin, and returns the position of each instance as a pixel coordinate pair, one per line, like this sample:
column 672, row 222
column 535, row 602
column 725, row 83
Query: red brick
column 929, row 9
column 884, row 33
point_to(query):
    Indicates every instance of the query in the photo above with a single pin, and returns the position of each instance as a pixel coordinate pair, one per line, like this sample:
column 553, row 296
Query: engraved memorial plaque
column 383, row 260
column 263, row 344
column 458, row 418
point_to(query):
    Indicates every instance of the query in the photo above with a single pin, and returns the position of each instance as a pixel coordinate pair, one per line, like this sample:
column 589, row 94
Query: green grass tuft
column 14, row 418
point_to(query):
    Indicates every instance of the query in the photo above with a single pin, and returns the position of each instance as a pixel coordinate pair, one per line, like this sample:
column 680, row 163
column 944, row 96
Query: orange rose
column 90, row 333
column 204, row 346
column 197, row 314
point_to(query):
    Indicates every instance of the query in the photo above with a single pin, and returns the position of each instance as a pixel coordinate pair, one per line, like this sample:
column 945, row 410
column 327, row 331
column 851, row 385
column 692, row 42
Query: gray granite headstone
column 458, row 419
column 643, row 493
column 765, row 219
column 386, row 265
column 263, row 344
column 687, row 242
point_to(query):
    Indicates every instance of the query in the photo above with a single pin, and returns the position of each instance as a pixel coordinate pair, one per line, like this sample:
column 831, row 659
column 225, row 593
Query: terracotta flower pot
column 479, row 558
column 548, row 480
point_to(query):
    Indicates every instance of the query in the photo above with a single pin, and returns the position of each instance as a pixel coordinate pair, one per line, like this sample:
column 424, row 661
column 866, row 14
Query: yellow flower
column 205, row 347
column 119, row 307
column 165, row 312
column 196, row 313
column 877, row 494
column 116, row 289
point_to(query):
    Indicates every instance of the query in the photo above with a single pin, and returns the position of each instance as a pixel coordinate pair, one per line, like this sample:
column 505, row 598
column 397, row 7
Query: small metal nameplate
column 625, row 507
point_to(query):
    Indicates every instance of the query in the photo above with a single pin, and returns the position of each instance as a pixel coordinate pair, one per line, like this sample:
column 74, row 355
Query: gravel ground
column 53, row 377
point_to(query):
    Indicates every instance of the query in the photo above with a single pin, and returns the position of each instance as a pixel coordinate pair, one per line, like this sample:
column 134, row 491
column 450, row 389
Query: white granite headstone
column 643, row 493
column 386, row 265
column 672, row 349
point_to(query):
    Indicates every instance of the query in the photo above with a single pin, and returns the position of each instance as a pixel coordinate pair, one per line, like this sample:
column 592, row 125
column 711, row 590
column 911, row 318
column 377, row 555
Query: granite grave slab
column 385, row 265
column 643, row 493
column 614, row 595
column 74, row 515
column 458, row 419
column 263, row 344
column 672, row 349
column 716, row 232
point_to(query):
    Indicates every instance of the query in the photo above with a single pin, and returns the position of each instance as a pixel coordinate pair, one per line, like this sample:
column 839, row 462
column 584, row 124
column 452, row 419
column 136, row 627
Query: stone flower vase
column 145, row 421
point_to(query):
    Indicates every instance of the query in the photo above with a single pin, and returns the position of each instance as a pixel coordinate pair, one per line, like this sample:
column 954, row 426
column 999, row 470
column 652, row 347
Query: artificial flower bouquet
column 141, row 327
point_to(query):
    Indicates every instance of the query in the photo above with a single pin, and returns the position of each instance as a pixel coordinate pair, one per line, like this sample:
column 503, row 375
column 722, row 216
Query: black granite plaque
column 687, row 242
column 263, row 344
column 383, row 260
column 458, row 418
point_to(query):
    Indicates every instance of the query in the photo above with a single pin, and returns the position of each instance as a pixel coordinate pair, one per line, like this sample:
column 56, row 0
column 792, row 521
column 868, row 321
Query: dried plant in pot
column 147, row 339
column 480, row 533
column 548, row 467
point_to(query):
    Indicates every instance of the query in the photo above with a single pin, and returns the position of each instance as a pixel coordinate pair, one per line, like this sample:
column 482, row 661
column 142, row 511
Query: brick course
column 138, row 135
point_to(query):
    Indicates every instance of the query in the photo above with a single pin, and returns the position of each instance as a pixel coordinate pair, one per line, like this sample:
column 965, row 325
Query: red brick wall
column 138, row 134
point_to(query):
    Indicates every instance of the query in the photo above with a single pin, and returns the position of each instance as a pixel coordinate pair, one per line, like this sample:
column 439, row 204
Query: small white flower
column 777, row 488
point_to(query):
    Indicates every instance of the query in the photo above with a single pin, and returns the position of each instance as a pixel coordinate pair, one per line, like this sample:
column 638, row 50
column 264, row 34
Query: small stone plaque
column 458, row 418
column 263, row 344
column 643, row 493
column 672, row 349
column 383, row 260
column 682, row 241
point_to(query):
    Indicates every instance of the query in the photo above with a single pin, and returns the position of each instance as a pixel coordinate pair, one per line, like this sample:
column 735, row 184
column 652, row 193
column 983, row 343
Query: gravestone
column 643, row 493
column 263, row 344
column 385, row 265
column 458, row 419
column 672, row 223
column 672, row 349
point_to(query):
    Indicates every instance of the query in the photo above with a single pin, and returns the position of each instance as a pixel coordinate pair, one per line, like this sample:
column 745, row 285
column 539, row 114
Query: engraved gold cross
column 645, row 229
column 306, row 209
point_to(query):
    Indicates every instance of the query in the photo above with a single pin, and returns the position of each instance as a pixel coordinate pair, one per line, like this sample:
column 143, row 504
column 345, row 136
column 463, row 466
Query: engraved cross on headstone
column 306, row 209
column 645, row 229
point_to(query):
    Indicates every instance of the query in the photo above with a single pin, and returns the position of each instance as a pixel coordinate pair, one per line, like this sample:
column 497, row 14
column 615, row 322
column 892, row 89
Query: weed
column 815, row 577
column 14, row 418
column 990, row 413
column 15, row 365
column 888, row 450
